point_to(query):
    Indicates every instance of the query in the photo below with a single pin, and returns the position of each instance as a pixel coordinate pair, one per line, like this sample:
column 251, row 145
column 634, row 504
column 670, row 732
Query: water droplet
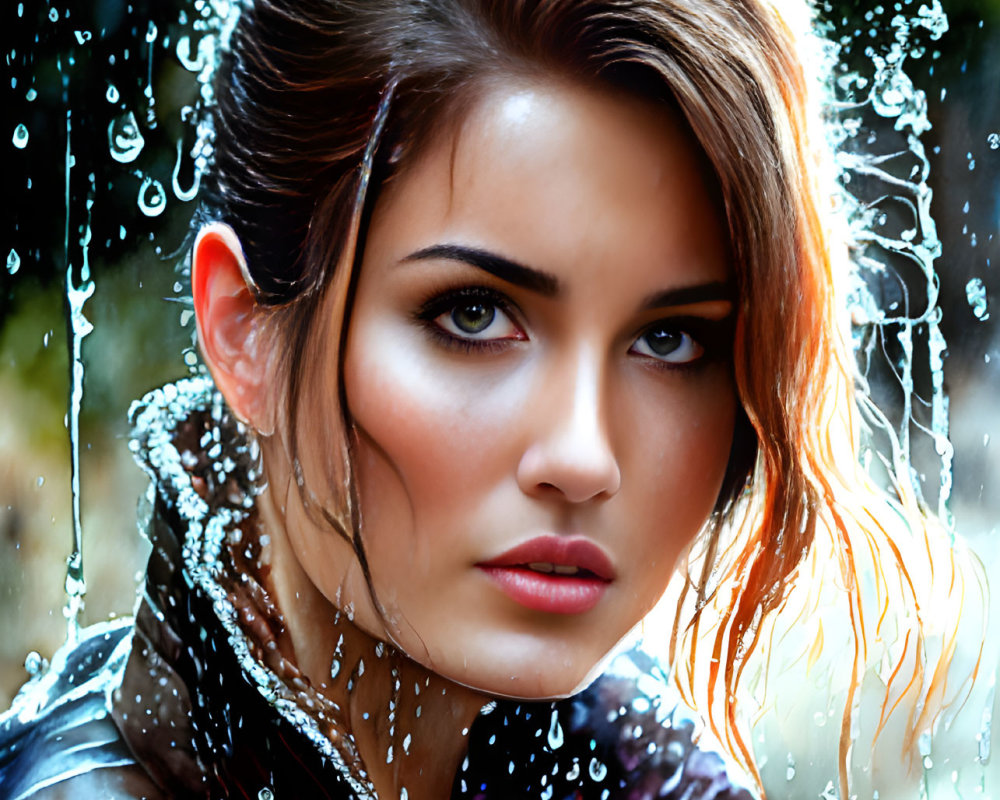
column 597, row 770
column 13, row 261
column 20, row 136
column 112, row 93
column 975, row 293
column 574, row 772
column 125, row 139
column 993, row 140
column 152, row 198
column 30, row 95
column 82, row 37
column 986, row 725
column 403, row 794
column 53, row 15
column 555, row 731
column 151, row 32
column 819, row 718
column 790, row 771
column 265, row 794
column 34, row 663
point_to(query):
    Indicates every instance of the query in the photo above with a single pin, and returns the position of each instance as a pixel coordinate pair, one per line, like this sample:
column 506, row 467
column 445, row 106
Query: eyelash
column 439, row 304
column 711, row 335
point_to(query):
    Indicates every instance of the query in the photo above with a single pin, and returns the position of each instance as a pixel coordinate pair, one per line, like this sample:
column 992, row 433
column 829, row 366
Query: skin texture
column 562, row 421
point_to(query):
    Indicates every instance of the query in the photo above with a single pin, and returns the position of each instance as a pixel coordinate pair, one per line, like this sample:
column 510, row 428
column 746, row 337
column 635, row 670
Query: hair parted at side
column 299, row 93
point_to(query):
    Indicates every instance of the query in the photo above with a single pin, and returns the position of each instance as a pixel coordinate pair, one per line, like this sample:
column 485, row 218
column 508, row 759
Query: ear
column 231, row 326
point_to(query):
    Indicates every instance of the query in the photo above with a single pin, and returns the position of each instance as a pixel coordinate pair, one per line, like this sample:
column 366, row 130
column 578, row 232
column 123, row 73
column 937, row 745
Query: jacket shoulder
column 58, row 738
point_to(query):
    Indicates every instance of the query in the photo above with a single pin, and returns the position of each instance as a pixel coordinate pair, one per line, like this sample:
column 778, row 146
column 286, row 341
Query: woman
column 514, row 307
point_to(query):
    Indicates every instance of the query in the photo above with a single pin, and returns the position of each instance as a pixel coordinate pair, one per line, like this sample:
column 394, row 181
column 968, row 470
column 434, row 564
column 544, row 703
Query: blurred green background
column 73, row 72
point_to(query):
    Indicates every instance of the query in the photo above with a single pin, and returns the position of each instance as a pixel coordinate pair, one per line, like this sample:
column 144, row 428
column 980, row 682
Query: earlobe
column 231, row 326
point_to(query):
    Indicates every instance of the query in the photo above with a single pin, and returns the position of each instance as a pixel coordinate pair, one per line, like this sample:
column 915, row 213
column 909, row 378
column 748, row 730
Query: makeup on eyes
column 468, row 298
column 701, row 339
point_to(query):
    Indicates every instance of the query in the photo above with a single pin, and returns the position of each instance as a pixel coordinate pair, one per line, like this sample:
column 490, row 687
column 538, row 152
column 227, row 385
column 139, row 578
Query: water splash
column 884, row 169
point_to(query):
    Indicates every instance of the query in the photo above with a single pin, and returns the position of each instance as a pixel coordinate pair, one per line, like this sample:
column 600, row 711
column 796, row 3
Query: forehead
column 564, row 178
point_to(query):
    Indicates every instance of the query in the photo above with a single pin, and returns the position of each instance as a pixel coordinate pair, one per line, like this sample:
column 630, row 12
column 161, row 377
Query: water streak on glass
column 78, row 326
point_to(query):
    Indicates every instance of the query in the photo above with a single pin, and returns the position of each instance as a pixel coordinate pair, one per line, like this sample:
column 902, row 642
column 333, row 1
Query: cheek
column 432, row 441
column 680, row 458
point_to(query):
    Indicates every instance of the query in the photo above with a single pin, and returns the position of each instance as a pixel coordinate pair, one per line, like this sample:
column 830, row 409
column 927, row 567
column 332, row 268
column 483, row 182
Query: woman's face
column 537, row 366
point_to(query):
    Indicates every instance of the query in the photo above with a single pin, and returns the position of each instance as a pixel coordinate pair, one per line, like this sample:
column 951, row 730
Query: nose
column 571, row 454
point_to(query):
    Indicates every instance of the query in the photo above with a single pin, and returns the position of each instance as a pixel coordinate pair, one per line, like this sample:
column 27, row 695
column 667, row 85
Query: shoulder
column 58, row 738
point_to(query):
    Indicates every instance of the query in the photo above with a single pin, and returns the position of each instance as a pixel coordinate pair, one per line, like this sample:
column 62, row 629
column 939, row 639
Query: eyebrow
column 535, row 280
column 690, row 295
column 547, row 284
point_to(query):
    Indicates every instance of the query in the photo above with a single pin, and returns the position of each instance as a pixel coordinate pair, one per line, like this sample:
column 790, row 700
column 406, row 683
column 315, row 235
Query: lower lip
column 554, row 594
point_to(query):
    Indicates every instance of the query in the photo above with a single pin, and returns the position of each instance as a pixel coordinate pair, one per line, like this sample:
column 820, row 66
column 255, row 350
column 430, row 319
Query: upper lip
column 575, row 551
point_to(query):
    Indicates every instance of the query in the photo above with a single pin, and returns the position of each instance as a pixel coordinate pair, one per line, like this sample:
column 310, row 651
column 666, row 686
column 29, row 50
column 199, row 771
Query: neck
column 407, row 724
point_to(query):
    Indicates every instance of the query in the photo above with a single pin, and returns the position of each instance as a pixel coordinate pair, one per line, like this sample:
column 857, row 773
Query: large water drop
column 20, row 136
column 125, row 139
column 152, row 198
column 555, row 736
column 13, row 261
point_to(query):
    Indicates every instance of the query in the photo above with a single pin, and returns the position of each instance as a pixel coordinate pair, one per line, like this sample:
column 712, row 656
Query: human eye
column 473, row 316
column 671, row 342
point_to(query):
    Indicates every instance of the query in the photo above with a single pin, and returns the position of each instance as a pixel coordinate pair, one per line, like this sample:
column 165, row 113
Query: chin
column 530, row 670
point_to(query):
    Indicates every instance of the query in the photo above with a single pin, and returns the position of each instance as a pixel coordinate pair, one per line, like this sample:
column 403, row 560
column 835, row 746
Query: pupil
column 473, row 318
column 663, row 342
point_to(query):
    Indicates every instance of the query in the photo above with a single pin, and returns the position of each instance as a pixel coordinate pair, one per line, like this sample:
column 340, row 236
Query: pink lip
column 551, row 592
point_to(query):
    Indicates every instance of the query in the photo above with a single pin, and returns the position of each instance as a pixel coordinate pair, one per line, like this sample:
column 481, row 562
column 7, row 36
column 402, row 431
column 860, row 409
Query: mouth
column 552, row 574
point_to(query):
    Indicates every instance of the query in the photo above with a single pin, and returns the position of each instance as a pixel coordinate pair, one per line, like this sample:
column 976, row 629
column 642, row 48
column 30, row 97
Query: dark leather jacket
column 186, row 700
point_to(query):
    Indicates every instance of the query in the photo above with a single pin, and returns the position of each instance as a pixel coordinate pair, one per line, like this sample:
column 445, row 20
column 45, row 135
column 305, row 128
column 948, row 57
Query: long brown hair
column 320, row 102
